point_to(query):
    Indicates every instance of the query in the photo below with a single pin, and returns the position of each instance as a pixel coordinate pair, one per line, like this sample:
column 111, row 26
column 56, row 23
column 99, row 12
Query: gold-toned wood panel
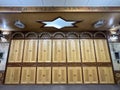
column 30, row 51
column 74, row 75
column 59, row 50
column 44, row 51
column 101, row 48
column 12, row 75
column 90, row 75
column 106, row 75
column 16, row 51
column 87, row 50
column 43, row 75
column 59, row 75
column 73, row 50
column 28, row 75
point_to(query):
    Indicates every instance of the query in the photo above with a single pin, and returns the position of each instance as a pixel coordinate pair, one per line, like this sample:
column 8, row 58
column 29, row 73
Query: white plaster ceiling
column 60, row 3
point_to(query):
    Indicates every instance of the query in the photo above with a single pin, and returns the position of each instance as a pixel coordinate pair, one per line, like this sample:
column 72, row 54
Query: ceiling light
column 19, row 24
column 5, row 33
column 99, row 23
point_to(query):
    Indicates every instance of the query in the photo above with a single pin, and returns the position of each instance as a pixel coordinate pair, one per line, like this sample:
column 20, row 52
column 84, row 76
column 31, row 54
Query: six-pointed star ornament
column 58, row 23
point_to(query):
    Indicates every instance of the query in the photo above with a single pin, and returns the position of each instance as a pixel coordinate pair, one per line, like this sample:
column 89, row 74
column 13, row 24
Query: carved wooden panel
column 44, row 51
column 73, row 50
column 59, row 50
column 30, row 51
column 43, row 75
column 74, row 75
column 90, row 75
column 106, row 75
column 101, row 49
column 12, row 75
column 16, row 51
column 59, row 75
column 28, row 75
column 87, row 50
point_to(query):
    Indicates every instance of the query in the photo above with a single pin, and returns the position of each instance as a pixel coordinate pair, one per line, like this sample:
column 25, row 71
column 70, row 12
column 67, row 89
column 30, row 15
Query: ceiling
column 30, row 16
column 64, row 3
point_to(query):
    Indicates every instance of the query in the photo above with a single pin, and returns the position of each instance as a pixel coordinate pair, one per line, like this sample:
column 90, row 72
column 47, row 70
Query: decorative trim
column 14, row 35
column 32, row 35
column 86, row 35
column 45, row 35
column 99, row 33
column 72, row 35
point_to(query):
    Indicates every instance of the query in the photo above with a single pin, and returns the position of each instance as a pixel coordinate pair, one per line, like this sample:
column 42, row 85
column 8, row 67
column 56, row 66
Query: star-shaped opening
column 58, row 23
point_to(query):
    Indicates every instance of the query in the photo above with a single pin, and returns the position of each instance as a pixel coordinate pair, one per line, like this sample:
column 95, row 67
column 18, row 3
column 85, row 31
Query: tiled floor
column 59, row 87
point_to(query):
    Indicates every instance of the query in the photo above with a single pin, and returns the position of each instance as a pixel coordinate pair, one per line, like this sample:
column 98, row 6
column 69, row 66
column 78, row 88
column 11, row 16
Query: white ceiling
column 93, row 3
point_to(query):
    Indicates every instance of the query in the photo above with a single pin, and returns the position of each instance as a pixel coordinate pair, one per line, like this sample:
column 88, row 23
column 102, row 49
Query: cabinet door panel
column 12, row 75
column 59, row 51
column 73, row 50
column 101, row 49
column 43, row 75
column 106, row 75
column 30, row 51
column 16, row 51
column 90, row 75
column 44, row 53
column 87, row 50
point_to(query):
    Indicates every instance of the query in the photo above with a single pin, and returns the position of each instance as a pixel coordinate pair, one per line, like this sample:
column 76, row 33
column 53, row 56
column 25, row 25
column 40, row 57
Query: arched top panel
column 45, row 35
column 72, row 35
column 17, row 35
column 31, row 35
column 86, row 35
column 99, row 35
column 59, row 35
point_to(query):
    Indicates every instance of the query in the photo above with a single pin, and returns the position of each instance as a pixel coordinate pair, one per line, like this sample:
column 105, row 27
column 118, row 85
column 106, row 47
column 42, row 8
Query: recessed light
column 99, row 23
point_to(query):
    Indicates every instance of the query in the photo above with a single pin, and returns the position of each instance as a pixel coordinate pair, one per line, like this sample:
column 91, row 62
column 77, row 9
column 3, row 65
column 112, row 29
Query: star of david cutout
column 58, row 23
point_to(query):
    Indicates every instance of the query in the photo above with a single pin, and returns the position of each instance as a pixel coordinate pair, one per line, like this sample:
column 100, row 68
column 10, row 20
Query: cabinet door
column 44, row 51
column 43, row 75
column 59, row 75
column 30, row 51
column 105, row 75
column 74, row 75
column 90, row 75
column 59, row 51
column 101, row 49
column 73, row 50
column 16, row 51
column 87, row 50
column 12, row 75
column 28, row 75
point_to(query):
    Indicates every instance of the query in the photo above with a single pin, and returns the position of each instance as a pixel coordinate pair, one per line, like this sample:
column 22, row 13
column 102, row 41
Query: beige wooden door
column 87, row 50
column 16, row 51
column 73, row 50
column 101, row 49
column 44, row 51
column 90, row 75
column 59, row 50
column 43, row 75
column 12, row 75
column 59, row 75
column 28, row 75
column 30, row 51
column 74, row 75
column 106, row 75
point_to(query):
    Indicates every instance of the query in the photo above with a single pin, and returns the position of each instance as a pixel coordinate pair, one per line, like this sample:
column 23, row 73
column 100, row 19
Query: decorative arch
column 44, row 35
column 18, row 35
column 99, row 35
column 58, row 35
column 31, row 35
column 86, row 35
column 72, row 35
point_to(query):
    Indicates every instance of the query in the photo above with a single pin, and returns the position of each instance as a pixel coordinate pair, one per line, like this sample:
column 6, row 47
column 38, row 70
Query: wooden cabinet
column 16, row 51
column 30, row 51
column 73, row 50
column 106, row 75
column 74, row 75
column 90, row 75
column 87, row 50
column 43, row 75
column 28, row 75
column 101, row 48
column 59, row 50
column 12, row 75
column 59, row 75
column 44, row 50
